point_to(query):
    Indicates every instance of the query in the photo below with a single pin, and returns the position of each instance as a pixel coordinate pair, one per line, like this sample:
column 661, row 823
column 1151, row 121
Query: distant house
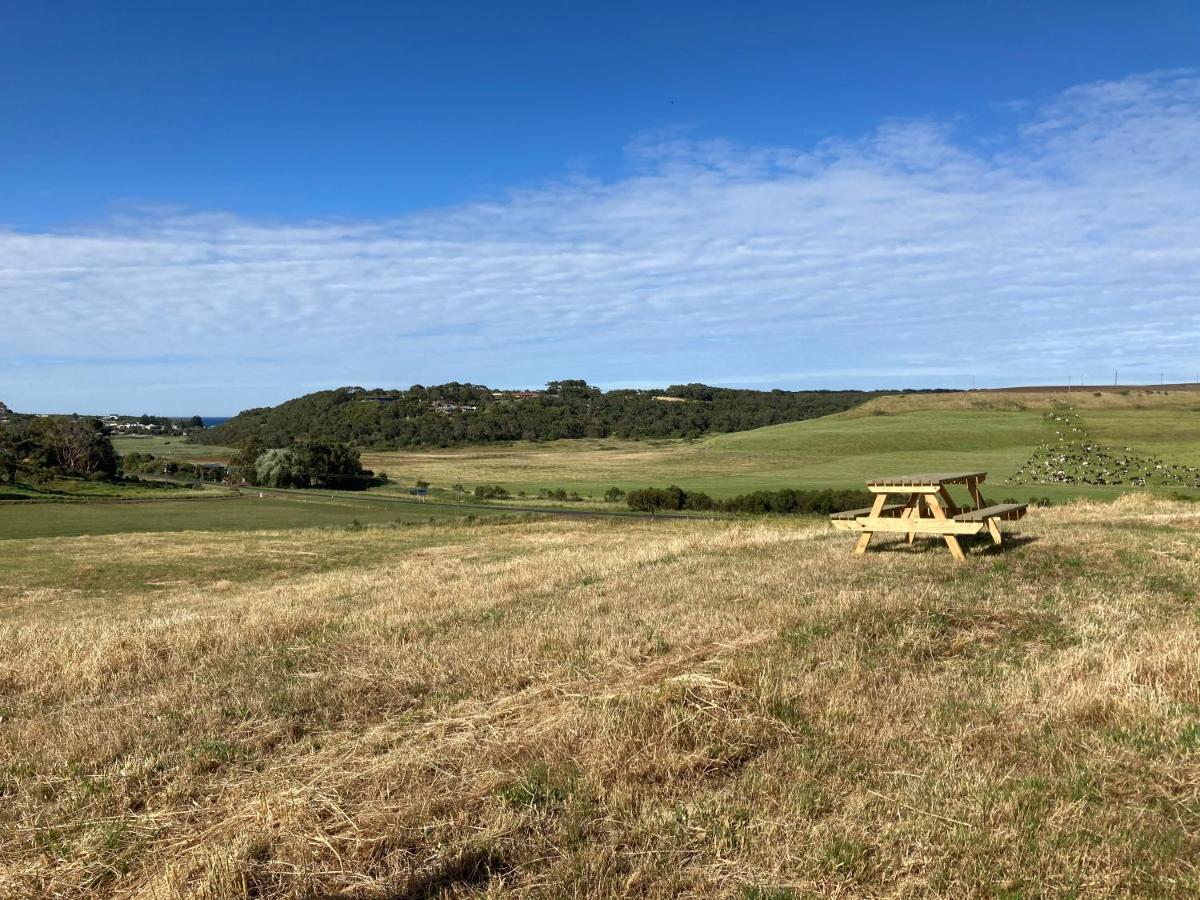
column 515, row 395
column 443, row 407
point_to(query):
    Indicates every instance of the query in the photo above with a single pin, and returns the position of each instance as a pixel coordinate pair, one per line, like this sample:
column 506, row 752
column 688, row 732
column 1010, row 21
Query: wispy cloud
column 1069, row 244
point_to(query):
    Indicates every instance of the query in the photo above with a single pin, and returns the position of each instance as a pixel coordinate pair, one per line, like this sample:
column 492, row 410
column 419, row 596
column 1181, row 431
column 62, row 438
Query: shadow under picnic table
column 979, row 545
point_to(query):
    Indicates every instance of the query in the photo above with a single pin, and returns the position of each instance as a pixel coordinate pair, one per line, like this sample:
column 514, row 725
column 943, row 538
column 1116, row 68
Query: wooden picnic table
column 928, row 508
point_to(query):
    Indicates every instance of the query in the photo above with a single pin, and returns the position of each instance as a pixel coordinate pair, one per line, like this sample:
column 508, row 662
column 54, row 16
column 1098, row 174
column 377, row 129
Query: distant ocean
column 210, row 421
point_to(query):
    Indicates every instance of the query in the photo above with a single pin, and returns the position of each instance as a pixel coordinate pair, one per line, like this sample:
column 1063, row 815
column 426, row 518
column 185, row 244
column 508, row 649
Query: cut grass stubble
column 613, row 708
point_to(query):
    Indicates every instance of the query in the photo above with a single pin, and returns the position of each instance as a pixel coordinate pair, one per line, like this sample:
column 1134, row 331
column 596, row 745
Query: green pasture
column 244, row 513
column 82, row 489
column 1172, row 435
column 170, row 448
column 840, row 451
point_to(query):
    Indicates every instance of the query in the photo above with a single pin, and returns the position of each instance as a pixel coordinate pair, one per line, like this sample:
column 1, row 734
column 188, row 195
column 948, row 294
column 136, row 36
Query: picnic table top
column 929, row 479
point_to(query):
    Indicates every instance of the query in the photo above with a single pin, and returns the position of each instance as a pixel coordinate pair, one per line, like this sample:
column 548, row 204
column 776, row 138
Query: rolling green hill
column 996, row 433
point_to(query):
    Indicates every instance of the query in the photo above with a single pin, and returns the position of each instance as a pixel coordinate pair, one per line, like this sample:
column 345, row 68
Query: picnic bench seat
column 892, row 509
column 1008, row 512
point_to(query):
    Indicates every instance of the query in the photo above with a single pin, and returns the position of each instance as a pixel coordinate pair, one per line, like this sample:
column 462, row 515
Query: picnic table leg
column 994, row 530
column 935, row 507
column 864, row 539
column 913, row 512
column 976, row 494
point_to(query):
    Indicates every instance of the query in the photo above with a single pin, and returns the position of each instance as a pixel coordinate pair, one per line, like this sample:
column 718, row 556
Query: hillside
column 604, row 709
column 837, row 451
column 995, row 433
column 1161, row 398
column 454, row 414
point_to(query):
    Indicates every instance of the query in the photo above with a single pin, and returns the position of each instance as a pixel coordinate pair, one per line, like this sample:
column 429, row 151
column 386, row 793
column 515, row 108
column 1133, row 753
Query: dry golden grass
column 556, row 462
column 1117, row 398
column 608, row 709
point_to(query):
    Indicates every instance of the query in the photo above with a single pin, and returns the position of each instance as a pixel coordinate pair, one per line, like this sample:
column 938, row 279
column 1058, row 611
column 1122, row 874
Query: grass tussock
column 605, row 709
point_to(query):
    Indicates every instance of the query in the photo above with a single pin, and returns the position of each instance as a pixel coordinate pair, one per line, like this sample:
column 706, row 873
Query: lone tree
column 310, row 463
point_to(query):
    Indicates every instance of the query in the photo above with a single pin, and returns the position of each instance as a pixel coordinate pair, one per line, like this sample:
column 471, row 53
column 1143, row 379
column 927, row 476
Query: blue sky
column 205, row 207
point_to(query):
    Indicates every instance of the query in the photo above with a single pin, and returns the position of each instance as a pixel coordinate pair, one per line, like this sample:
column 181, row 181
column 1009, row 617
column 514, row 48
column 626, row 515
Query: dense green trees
column 244, row 464
column 455, row 413
column 491, row 492
column 309, row 463
column 14, row 450
column 56, row 445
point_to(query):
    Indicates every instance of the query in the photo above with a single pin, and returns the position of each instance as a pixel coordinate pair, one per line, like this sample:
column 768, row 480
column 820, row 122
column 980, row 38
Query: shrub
column 490, row 492
column 614, row 495
column 559, row 494
column 654, row 499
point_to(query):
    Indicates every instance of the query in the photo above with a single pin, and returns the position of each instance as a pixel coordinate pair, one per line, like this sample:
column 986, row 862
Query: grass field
column 892, row 435
column 994, row 432
column 213, row 513
column 82, row 489
column 170, row 447
column 604, row 709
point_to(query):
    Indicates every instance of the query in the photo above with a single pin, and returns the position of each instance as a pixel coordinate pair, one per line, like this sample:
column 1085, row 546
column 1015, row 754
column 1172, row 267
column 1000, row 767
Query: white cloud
column 1069, row 246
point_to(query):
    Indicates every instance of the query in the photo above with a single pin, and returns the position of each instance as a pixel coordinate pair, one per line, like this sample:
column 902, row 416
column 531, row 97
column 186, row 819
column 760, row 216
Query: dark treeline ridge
column 783, row 502
column 450, row 414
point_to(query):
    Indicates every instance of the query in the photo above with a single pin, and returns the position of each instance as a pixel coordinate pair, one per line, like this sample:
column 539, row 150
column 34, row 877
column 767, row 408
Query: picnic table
column 929, row 509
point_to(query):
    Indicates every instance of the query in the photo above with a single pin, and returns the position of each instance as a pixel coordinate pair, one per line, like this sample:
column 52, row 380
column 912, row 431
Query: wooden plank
column 864, row 540
column 1007, row 511
column 924, row 479
column 994, row 531
column 891, row 508
column 951, row 506
column 955, row 548
column 903, row 488
column 919, row 526
column 913, row 511
column 935, row 507
column 976, row 496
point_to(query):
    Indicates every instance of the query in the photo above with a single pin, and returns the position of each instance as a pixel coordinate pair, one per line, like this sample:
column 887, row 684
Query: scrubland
column 604, row 709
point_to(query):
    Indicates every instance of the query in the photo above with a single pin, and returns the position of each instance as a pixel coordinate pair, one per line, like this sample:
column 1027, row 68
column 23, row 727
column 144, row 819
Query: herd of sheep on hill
column 1073, row 458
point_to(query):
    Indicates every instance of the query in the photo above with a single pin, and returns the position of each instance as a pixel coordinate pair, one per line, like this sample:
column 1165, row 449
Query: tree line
column 787, row 501
column 48, row 446
column 39, row 449
column 451, row 414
